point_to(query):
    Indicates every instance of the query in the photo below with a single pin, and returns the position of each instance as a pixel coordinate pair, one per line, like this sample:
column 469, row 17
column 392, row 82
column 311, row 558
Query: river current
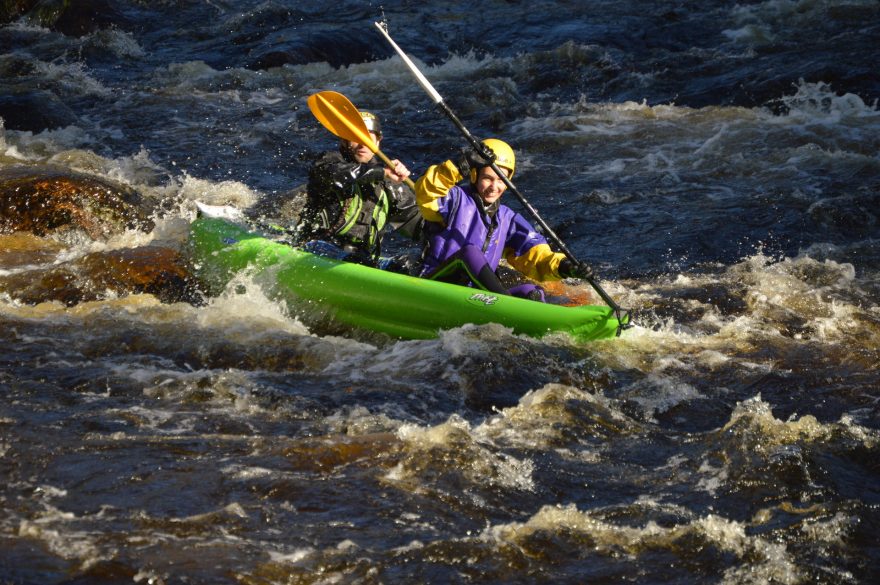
column 717, row 163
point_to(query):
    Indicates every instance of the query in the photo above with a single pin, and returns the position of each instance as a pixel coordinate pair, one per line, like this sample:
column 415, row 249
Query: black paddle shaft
column 547, row 230
column 438, row 99
column 489, row 156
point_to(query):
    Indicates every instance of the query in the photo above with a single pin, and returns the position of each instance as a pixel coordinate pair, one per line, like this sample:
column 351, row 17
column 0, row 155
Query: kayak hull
column 397, row 305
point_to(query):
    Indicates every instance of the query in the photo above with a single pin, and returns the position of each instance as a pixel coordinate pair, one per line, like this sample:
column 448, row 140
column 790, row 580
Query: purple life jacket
column 467, row 223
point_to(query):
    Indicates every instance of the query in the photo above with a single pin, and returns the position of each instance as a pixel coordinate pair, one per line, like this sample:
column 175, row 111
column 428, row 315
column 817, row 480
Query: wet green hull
column 375, row 300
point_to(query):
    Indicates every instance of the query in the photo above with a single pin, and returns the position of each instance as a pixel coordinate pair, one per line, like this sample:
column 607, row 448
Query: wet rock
column 81, row 17
column 728, row 298
column 41, row 200
column 336, row 48
column 21, row 249
column 16, row 67
column 12, row 9
column 154, row 270
column 34, row 111
column 70, row 17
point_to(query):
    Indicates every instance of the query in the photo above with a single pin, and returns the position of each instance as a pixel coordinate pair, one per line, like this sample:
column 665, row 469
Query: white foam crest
column 657, row 393
column 55, row 529
column 245, row 312
column 359, row 421
column 767, row 562
column 808, row 155
column 365, row 361
column 800, row 288
column 454, row 68
column 136, row 169
column 293, row 557
column 169, row 232
column 233, row 509
column 118, row 42
column 751, row 34
column 712, row 478
column 479, row 463
column 443, row 434
column 757, row 414
column 542, row 417
column 831, row 531
column 529, row 424
column 88, row 162
column 185, row 76
column 817, row 103
column 72, row 76
column 154, row 419
column 40, row 147
column 223, row 193
column 50, row 491
column 365, row 83
column 144, row 308
column 28, row 25
column 713, row 144
column 671, row 139
column 232, row 386
column 713, row 340
column 596, row 120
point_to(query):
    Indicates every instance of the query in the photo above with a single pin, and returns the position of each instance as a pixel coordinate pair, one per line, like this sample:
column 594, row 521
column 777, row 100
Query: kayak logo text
column 483, row 298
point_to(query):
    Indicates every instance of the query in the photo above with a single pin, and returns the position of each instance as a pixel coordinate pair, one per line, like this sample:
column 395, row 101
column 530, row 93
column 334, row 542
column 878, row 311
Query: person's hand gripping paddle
column 338, row 115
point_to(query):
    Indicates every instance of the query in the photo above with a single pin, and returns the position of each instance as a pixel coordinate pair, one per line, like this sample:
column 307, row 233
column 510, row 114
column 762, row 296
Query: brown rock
column 41, row 200
column 153, row 270
column 23, row 249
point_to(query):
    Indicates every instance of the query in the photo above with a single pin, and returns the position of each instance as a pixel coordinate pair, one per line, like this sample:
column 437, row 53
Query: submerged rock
column 152, row 270
column 22, row 249
column 12, row 9
column 34, row 111
column 338, row 49
column 70, row 17
column 41, row 200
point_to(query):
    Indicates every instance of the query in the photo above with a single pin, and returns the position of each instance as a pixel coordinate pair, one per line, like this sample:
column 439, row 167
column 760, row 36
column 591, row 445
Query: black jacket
column 350, row 204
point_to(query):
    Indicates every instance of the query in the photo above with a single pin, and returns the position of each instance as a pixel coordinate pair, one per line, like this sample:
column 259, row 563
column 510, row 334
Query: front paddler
column 468, row 229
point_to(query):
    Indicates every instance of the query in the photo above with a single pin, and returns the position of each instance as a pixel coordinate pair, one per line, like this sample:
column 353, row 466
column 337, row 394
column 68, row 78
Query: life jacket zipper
column 488, row 237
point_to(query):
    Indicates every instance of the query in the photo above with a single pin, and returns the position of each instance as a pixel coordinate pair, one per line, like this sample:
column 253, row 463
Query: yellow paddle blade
column 339, row 116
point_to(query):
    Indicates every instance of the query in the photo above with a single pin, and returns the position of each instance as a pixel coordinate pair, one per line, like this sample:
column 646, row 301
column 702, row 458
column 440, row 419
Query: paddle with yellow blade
column 339, row 116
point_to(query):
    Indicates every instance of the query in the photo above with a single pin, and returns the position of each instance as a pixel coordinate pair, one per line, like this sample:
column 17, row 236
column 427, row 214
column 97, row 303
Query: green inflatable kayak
column 317, row 288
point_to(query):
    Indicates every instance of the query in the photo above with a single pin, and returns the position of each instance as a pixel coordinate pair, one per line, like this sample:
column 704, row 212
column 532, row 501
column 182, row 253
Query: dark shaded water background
column 717, row 162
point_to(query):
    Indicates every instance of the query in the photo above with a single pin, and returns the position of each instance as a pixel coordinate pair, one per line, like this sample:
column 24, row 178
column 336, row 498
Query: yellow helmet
column 504, row 157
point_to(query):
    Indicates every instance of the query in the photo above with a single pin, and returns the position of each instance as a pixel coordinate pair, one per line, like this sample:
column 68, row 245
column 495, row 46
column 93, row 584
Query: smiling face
column 489, row 186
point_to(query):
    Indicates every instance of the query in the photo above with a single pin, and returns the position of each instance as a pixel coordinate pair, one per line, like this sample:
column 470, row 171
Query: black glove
column 569, row 269
column 471, row 158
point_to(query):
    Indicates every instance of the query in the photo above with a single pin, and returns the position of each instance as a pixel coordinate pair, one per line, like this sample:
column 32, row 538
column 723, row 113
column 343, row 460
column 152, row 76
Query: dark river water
column 717, row 163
